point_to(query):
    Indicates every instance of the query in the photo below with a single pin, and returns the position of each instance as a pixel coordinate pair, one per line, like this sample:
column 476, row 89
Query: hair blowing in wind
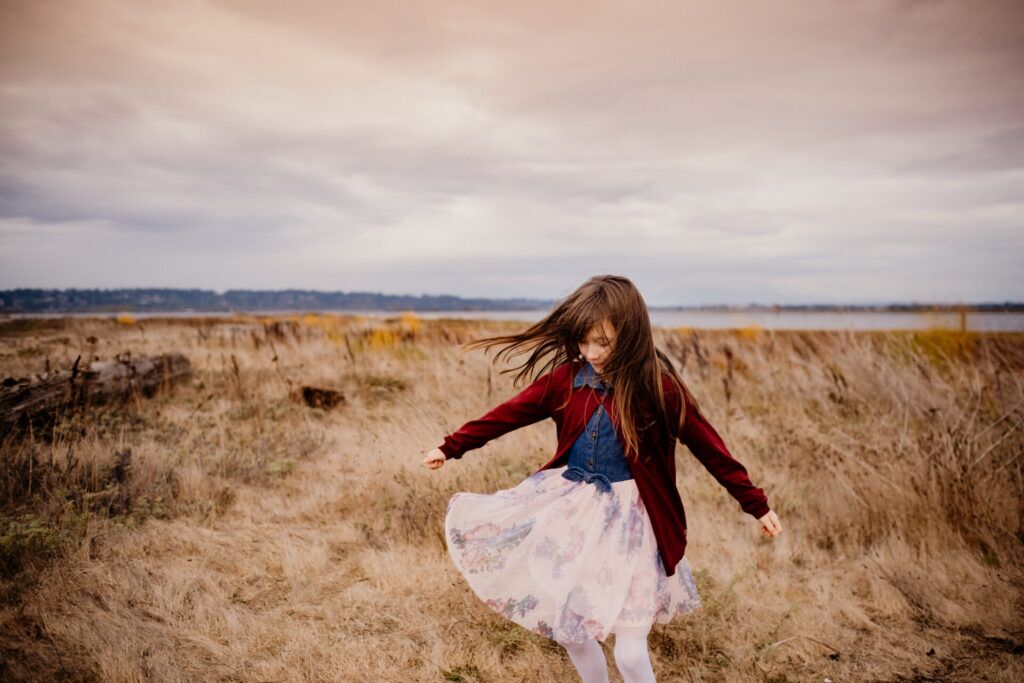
column 633, row 368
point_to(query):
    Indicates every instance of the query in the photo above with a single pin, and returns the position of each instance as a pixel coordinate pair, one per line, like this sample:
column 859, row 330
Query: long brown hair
column 634, row 366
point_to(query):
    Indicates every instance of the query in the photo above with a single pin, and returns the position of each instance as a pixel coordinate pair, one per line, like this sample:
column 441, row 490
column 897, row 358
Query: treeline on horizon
column 28, row 300
column 206, row 300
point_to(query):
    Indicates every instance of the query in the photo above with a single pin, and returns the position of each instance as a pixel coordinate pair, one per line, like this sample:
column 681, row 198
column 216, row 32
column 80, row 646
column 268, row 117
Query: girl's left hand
column 435, row 458
column 770, row 525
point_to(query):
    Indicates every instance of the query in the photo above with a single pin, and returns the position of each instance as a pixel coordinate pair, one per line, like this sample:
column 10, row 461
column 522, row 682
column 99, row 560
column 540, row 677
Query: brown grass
column 248, row 537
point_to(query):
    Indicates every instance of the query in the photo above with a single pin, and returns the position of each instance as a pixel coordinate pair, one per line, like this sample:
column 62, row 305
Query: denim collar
column 588, row 375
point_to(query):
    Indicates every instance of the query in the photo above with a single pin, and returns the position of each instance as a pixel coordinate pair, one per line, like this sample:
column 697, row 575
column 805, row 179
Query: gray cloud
column 715, row 152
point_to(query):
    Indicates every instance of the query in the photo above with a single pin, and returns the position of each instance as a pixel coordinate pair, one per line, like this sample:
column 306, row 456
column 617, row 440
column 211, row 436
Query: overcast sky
column 713, row 152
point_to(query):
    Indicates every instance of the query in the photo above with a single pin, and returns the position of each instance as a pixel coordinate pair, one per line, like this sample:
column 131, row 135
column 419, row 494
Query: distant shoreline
column 147, row 301
column 1009, row 307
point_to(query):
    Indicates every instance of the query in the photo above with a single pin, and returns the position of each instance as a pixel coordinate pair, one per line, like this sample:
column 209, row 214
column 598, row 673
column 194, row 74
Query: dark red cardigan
column 655, row 478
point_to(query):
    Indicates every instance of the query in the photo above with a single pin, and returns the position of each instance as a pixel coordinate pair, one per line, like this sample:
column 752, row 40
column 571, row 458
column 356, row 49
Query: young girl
column 591, row 543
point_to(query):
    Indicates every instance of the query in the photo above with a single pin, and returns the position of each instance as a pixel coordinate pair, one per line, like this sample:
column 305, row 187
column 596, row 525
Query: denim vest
column 597, row 456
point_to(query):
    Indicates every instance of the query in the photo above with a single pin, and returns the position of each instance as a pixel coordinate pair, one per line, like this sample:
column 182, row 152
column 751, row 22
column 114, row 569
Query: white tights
column 631, row 657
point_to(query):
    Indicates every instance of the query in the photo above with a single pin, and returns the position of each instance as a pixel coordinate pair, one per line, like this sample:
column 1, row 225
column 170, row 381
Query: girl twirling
column 591, row 543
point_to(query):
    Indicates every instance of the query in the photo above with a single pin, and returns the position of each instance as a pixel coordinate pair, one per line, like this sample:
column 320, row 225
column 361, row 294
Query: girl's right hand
column 435, row 459
column 770, row 524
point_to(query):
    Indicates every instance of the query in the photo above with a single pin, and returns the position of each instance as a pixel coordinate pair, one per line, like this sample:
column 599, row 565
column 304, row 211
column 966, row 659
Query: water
column 795, row 320
column 703, row 319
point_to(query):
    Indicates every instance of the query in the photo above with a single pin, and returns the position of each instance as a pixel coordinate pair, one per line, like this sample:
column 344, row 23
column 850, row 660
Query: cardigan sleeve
column 530, row 405
column 704, row 442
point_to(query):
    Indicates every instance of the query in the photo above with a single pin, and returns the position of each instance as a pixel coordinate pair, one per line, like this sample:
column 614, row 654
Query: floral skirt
column 564, row 559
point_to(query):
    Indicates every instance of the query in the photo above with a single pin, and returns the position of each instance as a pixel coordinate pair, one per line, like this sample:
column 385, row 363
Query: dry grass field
column 223, row 531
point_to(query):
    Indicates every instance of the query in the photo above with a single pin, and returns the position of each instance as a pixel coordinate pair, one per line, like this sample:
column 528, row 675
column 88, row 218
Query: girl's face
column 596, row 347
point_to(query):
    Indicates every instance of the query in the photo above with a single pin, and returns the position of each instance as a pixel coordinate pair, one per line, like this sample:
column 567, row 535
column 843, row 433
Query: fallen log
column 316, row 397
column 38, row 401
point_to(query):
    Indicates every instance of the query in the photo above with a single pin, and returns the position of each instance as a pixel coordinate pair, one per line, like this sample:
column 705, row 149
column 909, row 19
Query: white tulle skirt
column 564, row 559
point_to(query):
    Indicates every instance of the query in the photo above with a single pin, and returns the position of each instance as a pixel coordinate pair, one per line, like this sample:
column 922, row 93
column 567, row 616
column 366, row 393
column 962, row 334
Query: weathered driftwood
column 39, row 400
column 316, row 397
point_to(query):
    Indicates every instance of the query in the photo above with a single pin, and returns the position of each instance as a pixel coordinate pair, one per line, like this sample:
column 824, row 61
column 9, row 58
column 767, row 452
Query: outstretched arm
column 530, row 405
column 701, row 438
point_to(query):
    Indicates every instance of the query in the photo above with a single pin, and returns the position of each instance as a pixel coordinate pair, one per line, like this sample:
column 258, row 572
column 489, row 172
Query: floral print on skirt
column 564, row 559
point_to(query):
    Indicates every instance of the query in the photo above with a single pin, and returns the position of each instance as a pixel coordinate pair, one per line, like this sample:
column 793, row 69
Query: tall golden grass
column 245, row 536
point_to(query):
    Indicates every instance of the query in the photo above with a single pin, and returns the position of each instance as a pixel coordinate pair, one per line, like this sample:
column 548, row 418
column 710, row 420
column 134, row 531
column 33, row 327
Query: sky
column 713, row 152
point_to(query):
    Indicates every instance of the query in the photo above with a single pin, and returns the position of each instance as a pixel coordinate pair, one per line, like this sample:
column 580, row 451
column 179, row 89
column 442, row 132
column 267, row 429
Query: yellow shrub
column 941, row 345
column 411, row 322
column 750, row 332
column 382, row 338
column 312, row 320
column 333, row 326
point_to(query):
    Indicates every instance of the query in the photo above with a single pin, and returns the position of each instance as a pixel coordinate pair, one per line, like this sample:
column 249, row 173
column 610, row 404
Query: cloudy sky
column 714, row 152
